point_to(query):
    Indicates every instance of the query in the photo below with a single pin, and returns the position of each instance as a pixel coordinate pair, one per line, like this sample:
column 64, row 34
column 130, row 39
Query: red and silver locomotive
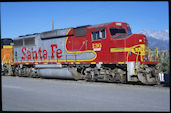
column 104, row 52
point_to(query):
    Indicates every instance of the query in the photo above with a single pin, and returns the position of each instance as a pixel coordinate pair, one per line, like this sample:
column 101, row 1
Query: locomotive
column 104, row 52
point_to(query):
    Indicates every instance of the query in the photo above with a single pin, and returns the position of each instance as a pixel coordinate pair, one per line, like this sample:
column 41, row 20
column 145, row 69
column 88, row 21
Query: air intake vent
column 55, row 33
column 29, row 41
column 80, row 31
column 18, row 42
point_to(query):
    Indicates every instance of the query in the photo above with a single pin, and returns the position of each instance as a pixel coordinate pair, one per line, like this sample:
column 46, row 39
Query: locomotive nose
column 141, row 38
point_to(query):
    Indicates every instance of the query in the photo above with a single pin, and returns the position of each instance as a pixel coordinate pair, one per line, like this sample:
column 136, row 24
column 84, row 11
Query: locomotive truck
column 104, row 52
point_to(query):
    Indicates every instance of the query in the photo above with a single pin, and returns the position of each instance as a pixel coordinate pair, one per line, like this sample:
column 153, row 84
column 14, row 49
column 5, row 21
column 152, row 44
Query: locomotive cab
column 118, row 47
column 133, row 48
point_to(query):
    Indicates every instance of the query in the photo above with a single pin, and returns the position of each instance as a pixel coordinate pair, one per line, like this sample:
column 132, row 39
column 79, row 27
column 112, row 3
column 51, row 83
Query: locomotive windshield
column 129, row 31
column 114, row 31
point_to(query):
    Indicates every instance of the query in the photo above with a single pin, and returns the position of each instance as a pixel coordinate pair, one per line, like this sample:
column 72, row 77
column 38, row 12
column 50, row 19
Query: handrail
column 156, row 54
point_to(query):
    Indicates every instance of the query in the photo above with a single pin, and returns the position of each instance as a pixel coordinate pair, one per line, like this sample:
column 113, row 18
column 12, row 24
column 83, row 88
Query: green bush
column 164, row 60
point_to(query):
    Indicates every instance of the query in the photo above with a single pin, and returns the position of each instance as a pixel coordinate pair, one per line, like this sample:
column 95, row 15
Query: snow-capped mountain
column 157, row 34
column 159, row 39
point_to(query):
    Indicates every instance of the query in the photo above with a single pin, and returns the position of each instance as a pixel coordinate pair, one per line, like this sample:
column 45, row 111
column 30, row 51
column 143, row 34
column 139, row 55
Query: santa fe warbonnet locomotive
column 104, row 52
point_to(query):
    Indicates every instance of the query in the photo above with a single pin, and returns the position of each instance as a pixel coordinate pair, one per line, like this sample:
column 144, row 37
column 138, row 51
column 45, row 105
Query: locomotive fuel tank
column 53, row 71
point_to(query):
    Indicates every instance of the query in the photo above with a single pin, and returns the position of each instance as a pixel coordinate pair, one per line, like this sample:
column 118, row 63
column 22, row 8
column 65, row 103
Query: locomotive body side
column 107, row 52
column 50, row 51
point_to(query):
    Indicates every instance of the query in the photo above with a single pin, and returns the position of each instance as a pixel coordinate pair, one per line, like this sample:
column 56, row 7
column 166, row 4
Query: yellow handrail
column 136, row 67
column 156, row 54
column 149, row 52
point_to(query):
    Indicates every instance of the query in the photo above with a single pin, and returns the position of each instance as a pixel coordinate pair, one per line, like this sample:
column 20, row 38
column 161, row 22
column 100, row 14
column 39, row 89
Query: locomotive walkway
column 30, row 94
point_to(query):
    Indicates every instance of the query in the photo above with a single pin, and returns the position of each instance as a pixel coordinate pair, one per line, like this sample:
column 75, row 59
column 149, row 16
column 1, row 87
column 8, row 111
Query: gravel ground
column 36, row 94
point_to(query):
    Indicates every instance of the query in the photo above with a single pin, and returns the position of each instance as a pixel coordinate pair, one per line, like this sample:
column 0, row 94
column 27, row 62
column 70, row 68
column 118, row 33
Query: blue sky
column 21, row 18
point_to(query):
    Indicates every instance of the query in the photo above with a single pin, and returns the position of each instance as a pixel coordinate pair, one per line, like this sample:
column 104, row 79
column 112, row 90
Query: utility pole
column 52, row 24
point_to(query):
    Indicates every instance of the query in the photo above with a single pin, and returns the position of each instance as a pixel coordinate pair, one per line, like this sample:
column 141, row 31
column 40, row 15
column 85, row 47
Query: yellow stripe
column 77, row 62
column 120, row 49
column 121, row 62
column 36, row 61
column 7, row 46
column 93, row 62
column 46, row 61
column 134, row 49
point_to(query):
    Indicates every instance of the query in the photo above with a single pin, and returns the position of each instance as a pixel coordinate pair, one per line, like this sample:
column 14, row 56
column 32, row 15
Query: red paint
column 104, row 55
column 52, row 46
column 58, row 51
column 45, row 54
column 28, row 55
column 34, row 55
column 23, row 51
column 40, row 55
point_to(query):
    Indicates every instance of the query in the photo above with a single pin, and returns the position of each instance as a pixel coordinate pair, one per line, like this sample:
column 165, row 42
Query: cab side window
column 97, row 35
column 103, row 34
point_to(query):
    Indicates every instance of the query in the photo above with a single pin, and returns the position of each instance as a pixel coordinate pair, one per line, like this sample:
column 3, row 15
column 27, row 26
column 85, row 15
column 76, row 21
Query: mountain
column 157, row 38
